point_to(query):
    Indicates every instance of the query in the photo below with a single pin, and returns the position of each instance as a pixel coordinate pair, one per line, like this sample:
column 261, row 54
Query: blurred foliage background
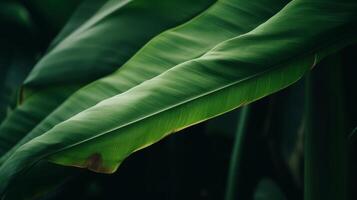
column 297, row 140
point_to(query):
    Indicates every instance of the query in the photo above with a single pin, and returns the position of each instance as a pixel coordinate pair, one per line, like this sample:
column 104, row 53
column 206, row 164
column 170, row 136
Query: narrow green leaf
column 235, row 160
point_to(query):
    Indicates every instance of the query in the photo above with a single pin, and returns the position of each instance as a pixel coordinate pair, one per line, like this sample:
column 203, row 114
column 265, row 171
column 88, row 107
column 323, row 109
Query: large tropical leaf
column 236, row 71
column 192, row 91
column 168, row 54
column 246, row 23
column 97, row 47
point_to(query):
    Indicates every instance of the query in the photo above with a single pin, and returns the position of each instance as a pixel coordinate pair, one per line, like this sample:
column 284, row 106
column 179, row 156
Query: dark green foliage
column 87, row 83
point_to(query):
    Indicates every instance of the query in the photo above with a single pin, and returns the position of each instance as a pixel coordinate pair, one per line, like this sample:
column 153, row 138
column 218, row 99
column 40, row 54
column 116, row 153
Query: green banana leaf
column 231, row 70
column 234, row 71
column 84, row 55
column 248, row 22
column 167, row 57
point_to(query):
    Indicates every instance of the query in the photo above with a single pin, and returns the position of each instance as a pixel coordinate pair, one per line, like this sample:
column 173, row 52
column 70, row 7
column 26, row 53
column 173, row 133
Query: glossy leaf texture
column 187, row 75
column 191, row 47
column 238, row 71
column 122, row 22
column 168, row 54
column 97, row 46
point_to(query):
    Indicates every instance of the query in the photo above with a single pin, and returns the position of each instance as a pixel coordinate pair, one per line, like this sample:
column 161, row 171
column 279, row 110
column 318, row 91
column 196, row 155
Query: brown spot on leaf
column 94, row 162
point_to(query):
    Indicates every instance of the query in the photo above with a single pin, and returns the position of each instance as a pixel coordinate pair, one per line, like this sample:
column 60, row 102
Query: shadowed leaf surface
column 225, row 70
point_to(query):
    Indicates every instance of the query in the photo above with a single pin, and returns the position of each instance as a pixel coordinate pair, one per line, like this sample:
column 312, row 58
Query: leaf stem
column 236, row 154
